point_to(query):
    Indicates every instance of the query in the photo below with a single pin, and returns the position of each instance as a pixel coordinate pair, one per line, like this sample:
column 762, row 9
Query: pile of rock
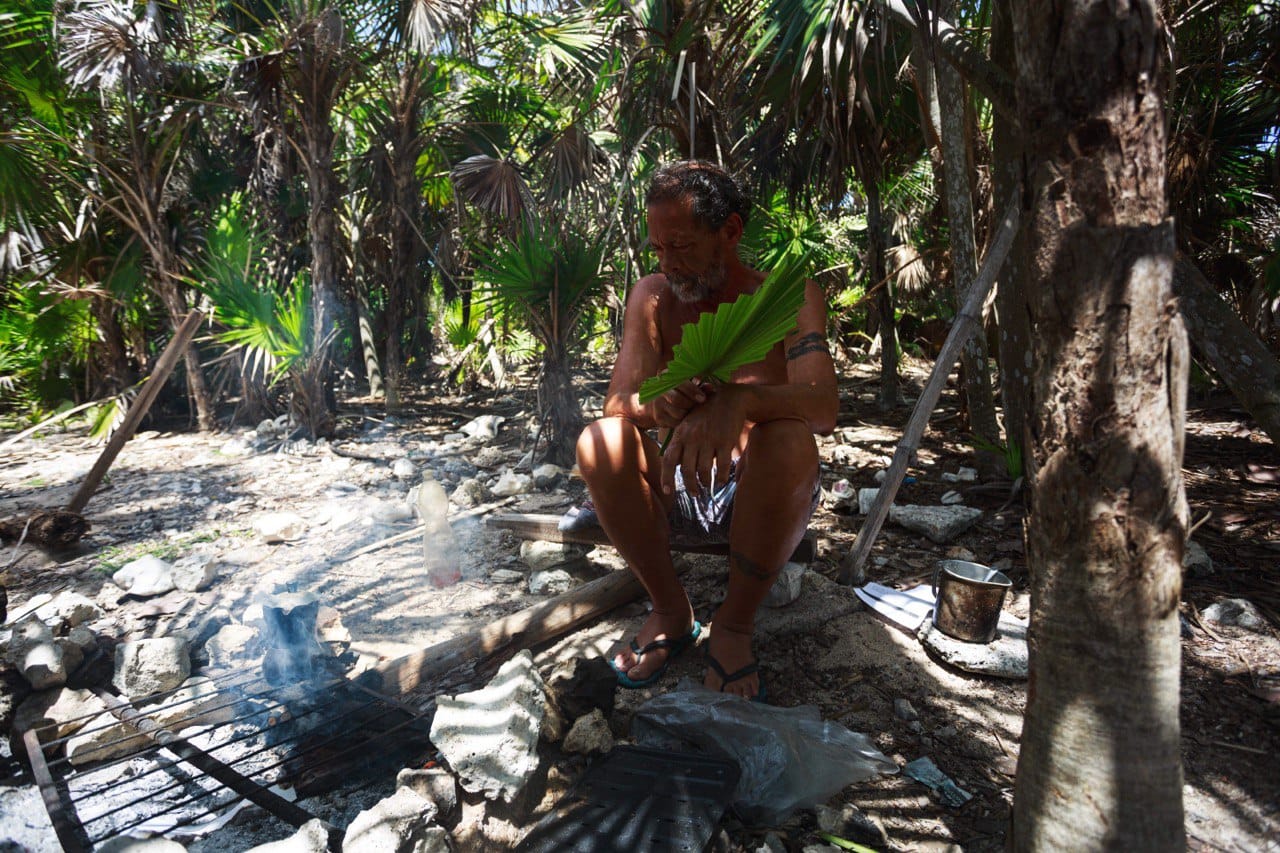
column 48, row 641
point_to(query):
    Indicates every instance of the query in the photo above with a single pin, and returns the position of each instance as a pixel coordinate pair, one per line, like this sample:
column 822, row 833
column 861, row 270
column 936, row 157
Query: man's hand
column 670, row 409
column 708, row 435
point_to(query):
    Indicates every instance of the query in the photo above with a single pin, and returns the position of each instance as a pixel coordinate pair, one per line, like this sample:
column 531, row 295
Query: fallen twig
column 53, row 420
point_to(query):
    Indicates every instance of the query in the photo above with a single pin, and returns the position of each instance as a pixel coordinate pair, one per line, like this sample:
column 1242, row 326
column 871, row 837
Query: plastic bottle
column 439, row 547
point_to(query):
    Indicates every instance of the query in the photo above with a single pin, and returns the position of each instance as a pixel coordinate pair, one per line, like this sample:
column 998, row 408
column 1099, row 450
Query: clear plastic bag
column 790, row 758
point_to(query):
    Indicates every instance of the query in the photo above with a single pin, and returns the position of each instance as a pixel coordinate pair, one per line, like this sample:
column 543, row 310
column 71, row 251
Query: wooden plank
column 532, row 626
column 545, row 528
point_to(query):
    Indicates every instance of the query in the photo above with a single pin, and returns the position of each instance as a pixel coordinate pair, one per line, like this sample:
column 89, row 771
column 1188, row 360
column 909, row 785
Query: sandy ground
column 175, row 493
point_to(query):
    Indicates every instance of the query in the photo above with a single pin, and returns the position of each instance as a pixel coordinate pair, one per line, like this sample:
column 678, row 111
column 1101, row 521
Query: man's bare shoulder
column 651, row 288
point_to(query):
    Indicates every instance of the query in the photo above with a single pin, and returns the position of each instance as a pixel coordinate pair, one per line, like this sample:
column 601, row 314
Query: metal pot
column 967, row 600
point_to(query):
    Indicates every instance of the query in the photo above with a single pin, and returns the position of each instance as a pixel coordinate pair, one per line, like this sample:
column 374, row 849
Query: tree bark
column 1239, row 358
column 1099, row 767
column 406, row 244
column 1013, row 327
column 177, row 308
column 116, row 373
column 992, row 80
column 368, row 346
column 317, row 80
column 562, row 415
column 884, row 299
column 312, row 381
column 956, row 166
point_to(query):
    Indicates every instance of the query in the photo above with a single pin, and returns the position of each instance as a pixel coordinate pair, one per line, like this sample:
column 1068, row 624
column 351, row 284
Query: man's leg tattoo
column 750, row 567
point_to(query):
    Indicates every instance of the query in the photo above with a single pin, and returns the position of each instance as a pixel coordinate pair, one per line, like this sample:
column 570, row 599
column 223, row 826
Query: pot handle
column 937, row 573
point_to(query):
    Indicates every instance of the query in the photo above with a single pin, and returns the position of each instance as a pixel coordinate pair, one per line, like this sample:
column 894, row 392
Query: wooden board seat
column 546, row 528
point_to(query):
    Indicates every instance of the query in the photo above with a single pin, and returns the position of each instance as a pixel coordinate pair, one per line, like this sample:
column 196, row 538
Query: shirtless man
column 761, row 425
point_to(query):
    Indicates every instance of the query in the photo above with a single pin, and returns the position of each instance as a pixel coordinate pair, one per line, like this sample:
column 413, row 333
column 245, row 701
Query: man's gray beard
column 697, row 288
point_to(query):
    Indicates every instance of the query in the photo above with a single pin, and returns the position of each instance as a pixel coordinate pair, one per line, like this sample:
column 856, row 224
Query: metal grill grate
column 189, row 759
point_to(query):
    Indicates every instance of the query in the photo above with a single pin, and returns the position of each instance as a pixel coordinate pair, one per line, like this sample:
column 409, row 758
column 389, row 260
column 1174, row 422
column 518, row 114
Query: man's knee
column 785, row 451
column 607, row 446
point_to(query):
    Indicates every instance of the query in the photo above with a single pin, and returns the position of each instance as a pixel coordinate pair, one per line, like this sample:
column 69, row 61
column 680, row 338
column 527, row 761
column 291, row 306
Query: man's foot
column 677, row 630
column 730, row 663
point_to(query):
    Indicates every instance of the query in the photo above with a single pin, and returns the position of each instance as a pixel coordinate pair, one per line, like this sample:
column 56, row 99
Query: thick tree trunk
column 974, row 371
column 562, row 415
column 311, row 383
column 1012, row 323
column 177, row 308
column 1241, row 360
column 1209, row 330
column 116, row 373
column 316, row 81
column 1099, row 767
column 406, row 244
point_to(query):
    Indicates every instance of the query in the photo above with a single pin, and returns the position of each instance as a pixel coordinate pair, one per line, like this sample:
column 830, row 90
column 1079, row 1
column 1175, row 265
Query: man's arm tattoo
column 812, row 342
column 749, row 567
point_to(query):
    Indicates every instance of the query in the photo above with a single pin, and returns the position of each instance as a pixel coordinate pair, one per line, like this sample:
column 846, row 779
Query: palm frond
column 107, row 416
column 271, row 327
column 103, row 44
column 545, row 276
column 575, row 160
column 427, row 22
column 493, row 185
column 570, row 45
column 738, row 333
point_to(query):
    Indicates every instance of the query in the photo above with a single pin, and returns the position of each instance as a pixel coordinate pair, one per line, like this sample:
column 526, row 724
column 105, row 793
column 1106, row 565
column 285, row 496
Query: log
column 540, row 623
column 141, row 405
column 966, row 323
column 545, row 528
column 1239, row 358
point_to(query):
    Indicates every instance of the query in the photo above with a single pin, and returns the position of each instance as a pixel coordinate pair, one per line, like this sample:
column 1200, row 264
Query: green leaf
column 738, row 333
column 846, row 844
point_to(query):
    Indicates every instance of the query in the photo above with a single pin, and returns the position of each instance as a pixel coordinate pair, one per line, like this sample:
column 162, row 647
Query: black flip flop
column 736, row 675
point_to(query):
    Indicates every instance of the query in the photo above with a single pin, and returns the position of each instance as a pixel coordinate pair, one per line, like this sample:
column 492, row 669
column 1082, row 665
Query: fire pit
column 177, row 764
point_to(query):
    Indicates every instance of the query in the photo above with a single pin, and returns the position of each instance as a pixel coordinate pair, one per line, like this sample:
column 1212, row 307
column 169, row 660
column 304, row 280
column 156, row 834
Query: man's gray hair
column 713, row 192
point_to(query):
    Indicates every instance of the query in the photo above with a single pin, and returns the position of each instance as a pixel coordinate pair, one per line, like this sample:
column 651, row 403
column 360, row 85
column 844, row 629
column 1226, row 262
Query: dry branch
column 141, row 405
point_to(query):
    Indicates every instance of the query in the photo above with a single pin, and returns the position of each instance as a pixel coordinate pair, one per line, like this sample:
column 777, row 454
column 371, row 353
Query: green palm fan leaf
column 738, row 333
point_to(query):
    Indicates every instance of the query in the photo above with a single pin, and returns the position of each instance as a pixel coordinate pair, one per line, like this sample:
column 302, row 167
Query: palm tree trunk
column 956, row 167
column 177, row 308
column 1100, row 766
column 311, row 385
column 562, row 413
column 116, row 372
column 884, row 299
column 368, row 346
column 1012, row 324
column 406, row 244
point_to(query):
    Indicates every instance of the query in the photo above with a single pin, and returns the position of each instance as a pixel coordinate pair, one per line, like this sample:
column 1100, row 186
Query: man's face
column 691, row 256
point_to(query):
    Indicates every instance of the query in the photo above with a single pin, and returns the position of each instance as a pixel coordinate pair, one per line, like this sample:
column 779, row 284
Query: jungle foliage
column 376, row 193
